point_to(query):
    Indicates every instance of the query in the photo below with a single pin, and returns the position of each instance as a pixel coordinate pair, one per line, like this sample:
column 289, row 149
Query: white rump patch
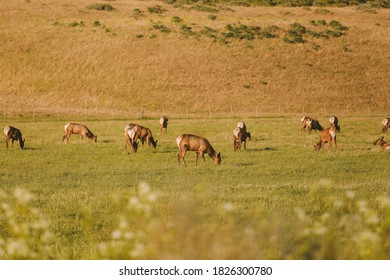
column 303, row 118
column 178, row 140
column 309, row 121
column 236, row 131
column 332, row 120
column 241, row 125
column 161, row 121
column 385, row 122
column 66, row 126
column 6, row 130
column 131, row 133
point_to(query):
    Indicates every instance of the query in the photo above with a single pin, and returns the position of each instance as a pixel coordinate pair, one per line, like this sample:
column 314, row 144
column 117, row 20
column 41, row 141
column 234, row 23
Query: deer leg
column 204, row 160
column 6, row 141
column 12, row 144
column 196, row 159
column 244, row 145
column 335, row 142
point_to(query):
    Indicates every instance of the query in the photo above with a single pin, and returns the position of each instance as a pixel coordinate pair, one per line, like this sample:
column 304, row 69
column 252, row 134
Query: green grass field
column 278, row 200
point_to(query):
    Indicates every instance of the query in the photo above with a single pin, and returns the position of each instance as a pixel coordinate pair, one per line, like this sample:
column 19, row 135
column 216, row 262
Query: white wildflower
column 228, row 207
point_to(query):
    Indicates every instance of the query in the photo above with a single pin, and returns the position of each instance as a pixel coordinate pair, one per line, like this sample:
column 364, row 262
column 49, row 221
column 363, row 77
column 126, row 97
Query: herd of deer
column 198, row 144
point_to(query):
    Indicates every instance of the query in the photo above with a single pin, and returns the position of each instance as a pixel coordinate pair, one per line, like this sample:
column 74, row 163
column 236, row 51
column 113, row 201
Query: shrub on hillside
column 101, row 7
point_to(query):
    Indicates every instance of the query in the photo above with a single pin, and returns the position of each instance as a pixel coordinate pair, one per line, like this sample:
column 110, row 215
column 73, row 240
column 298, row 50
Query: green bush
column 101, row 7
column 157, row 9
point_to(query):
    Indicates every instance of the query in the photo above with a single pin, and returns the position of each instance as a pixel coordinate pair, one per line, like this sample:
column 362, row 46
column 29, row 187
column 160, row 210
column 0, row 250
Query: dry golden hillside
column 60, row 57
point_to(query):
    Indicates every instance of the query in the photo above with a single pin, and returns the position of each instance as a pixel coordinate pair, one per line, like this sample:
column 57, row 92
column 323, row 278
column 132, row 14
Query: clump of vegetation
column 157, row 9
column 23, row 233
column 212, row 17
column 187, row 30
column 204, row 8
column 76, row 23
column 101, row 7
column 337, row 25
column 139, row 36
column 129, row 240
column 241, row 31
column 137, row 13
column 318, row 22
column 295, row 34
column 96, row 23
column 177, row 19
column 209, row 32
column 161, row 27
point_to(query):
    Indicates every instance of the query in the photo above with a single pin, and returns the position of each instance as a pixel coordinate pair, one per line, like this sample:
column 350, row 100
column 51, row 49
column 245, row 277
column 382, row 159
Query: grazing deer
column 197, row 144
column 385, row 125
column 129, row 138
column 14, row 134
column 143, row 134
column 334, row 121
column 313, row 124
column 80, row 129
column 304, row 121
column 163, row 124
column 240, row 135
column 327, row 136
column 385, row 146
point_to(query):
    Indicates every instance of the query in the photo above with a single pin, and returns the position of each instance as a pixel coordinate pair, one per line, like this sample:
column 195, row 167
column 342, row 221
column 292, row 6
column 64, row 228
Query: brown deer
column 163, row 124
column 327, row 136
column 80, row 129
column 129, row 138
column 385, row 125
column 240, row 135
column 334, row 121
column 197, row 144
column 385, row 146
column 144, row 134
column 14, row 134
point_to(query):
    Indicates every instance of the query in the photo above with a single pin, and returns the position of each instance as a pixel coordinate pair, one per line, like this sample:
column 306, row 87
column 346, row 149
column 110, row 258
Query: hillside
column 61, row 57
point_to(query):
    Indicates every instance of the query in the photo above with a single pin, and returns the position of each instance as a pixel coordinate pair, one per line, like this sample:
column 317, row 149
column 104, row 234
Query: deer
column 14, row 134
column 334, row 121
column 304, row 121
column 385, row 125
column 385, row 146
column 129, row 138
column 313, row 124
column 197, row 144
column 327, row 136
column 240, row 135
column 144, row 134
column 163, row 124
column 80, row 129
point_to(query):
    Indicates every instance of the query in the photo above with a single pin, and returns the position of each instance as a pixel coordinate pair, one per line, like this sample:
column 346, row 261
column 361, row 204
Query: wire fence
column 38, row 114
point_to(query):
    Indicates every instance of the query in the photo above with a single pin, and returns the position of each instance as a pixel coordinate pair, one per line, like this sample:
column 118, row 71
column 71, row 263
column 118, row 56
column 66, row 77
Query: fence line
column 254, row 111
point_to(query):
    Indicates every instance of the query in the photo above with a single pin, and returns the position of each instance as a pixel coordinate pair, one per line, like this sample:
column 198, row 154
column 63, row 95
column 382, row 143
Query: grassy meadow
column 278, row 200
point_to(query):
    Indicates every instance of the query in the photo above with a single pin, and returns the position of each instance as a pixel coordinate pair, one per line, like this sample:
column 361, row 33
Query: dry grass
column 53, row 67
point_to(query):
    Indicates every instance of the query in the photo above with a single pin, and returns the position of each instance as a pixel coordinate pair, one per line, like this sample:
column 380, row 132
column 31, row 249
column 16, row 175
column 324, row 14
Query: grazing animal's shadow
column 262, row 149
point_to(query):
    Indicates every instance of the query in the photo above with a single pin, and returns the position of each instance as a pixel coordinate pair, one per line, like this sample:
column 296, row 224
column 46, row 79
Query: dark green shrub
column 157, row 9
column 96, row 23
column 159, row 26
column 101, row 7
column 177, row 19
column 75, row 23
column 212, row 17
column 187, row 30
column 337, row 25
column 139, row 36
column 292, row 37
